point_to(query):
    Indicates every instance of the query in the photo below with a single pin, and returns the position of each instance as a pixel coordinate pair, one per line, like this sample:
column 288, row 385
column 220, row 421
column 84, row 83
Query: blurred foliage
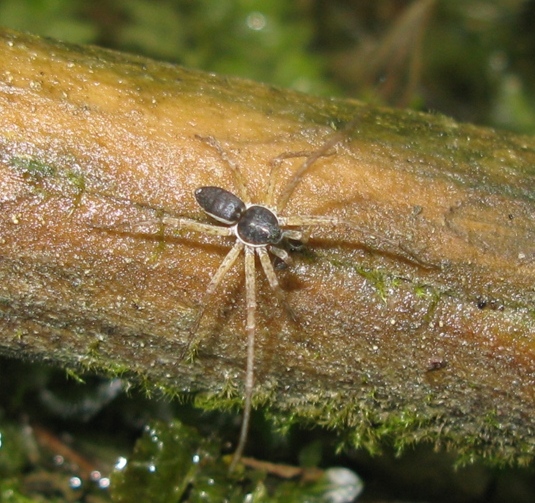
column 172, row 462
column 54, row 18
column 266, row 41
column 470, row 59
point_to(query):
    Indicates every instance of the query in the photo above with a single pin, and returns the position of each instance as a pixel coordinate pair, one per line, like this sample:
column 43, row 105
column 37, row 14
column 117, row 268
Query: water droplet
column 95, row 476
column 104, row 483
column 121, row 463
column 75, row 482
column 256, row 21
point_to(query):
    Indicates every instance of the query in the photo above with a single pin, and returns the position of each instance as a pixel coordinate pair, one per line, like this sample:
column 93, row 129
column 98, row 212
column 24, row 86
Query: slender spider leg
column 275, row 167
column 225, row 266
column 238, row 177
column 250, row 328
column 274, row 173
column 274, row 282
column 193, row 225
column 282, row 254
column 178, row 223
column 335, row 139
column 311, row 221
column 273, row 177
column 309, row 161
column 294, row 234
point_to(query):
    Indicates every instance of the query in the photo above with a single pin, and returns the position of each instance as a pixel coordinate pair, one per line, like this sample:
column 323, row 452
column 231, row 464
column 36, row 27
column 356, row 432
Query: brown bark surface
column 415, row 318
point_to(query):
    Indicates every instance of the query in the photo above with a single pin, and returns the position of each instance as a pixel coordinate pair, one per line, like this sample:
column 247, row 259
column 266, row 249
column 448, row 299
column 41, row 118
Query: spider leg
column 274, row 282
column 371, row 241
column 250, row 328
column 293, row 234
column 238, row 177
column 331, row 141
column 192, row 225
column 311, row 221
column 179, row 223
column 225, row 266
column 282, row 254
column 274, row 174
column 298, row 221
column 309, row 161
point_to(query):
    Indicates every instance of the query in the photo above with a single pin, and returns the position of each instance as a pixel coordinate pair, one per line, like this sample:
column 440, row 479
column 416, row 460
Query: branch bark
column 421, row 327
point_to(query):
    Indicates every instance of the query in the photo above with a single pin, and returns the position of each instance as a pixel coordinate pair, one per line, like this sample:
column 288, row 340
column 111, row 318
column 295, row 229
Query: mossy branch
column 415, row 322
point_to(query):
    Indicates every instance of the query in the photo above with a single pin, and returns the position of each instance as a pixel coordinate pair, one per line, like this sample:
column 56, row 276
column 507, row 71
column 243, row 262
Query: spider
column 259, row 230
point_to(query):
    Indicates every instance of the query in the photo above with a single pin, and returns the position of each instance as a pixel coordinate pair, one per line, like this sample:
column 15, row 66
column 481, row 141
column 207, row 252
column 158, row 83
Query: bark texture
column 415, row 318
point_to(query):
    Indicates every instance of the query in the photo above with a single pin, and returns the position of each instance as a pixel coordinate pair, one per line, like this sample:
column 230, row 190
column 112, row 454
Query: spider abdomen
column 220, row 204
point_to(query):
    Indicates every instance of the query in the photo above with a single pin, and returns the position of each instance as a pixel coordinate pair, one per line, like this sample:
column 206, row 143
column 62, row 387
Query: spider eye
column 220, row 204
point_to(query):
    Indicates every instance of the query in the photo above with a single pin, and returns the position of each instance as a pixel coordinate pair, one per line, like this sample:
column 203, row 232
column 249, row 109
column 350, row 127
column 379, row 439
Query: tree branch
column 415, row 312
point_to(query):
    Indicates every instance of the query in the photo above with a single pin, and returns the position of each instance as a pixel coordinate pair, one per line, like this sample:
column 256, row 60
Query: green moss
column 75, row 376
column 381, row 280
column 78, row 183
column 427, row 292
column 219, row 401
column 47, row 179
column 33, row 168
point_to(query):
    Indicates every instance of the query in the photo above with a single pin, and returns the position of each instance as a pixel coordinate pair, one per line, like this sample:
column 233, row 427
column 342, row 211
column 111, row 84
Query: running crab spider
column 260, row 230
